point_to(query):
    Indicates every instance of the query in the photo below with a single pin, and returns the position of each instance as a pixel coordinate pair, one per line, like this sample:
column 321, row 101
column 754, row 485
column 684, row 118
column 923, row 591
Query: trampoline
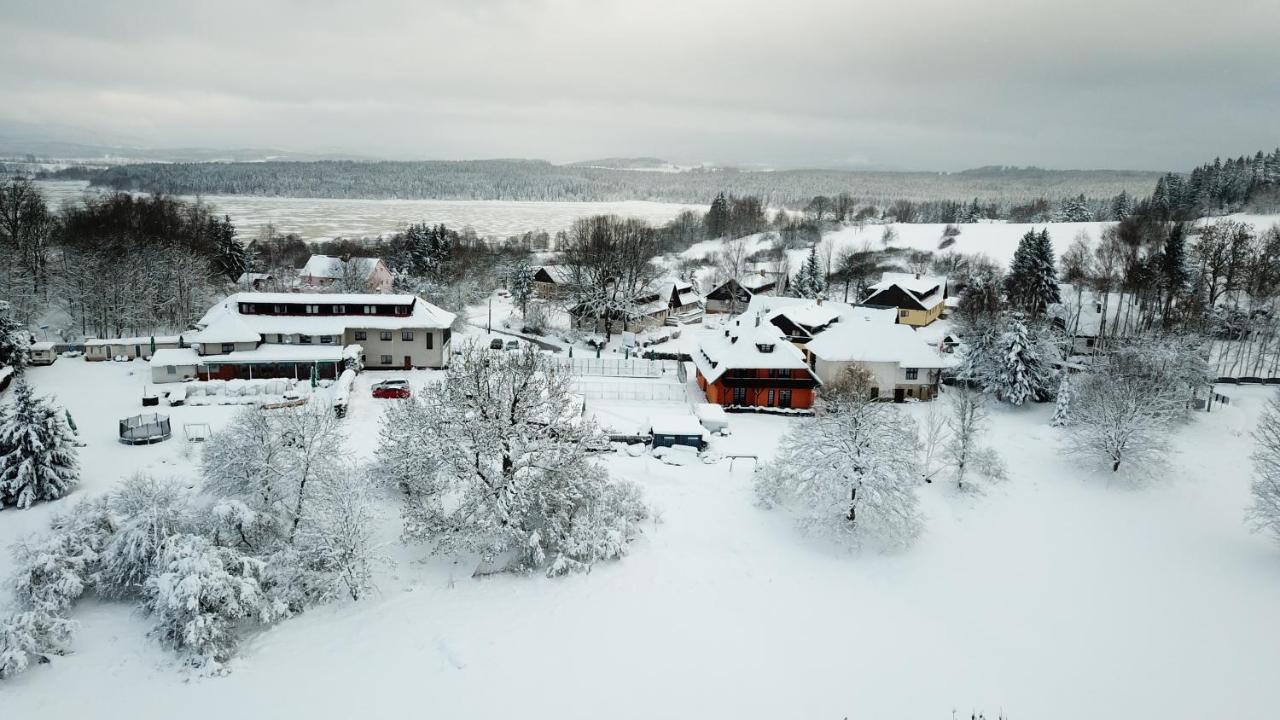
column 144, row 429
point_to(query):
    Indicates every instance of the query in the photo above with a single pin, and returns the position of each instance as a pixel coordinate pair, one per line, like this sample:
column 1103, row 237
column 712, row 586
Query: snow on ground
column 1056, row 595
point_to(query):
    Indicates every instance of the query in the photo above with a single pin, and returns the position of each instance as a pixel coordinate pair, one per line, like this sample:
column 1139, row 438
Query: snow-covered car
column 513, row 344
column 495, row 344
column 391, row 389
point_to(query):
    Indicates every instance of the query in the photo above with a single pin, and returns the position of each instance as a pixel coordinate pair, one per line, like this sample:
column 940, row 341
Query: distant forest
column 540, row 180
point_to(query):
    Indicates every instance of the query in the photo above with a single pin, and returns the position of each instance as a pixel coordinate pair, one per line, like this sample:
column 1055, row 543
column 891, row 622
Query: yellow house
column 919, row 299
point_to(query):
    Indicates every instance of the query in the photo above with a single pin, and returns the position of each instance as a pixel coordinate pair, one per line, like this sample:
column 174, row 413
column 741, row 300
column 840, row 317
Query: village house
column 919, row 299
column 751, row 364
column 550, row 282
column 251, row 335
column 255, row 281
column 901, row 364
column 129, row 348
column 1089, row 317
column 732, row 295
column 665, row 300
column 802, row 319
column 324, row 270
column 42, row 353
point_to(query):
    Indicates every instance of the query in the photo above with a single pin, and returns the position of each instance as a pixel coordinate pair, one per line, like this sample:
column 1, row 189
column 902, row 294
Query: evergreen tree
column 1174, row 275
column 14, row 340
column 717, row 219
column 230, row 260
column 1022, row 371
column 520, row 283
column 1074, row 209
column 1062, row 410
column 1032, row 283
column 1121, row 206
column 37, row 452
column 810, row 281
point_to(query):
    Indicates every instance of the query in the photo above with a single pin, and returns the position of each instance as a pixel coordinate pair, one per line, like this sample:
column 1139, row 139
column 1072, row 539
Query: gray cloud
column 923, row 84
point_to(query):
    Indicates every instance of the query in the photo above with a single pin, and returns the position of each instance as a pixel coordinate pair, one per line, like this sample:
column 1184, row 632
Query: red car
column 393, row 389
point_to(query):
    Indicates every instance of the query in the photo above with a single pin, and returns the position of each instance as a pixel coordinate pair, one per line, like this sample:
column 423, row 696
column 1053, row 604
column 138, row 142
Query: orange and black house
column 754, row 366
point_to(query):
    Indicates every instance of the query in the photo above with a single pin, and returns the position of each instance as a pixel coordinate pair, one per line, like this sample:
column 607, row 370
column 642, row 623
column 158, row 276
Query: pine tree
column 14, row 340
column 810, row 281
column 230, row 260
column 37, row 452
column 1032, row 282
column 1062, row 410
column 717, row 219
column 520, row 283
column 1022, row 371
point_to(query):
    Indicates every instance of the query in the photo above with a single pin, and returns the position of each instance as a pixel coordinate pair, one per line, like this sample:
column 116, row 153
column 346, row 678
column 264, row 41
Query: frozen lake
column 322, row 219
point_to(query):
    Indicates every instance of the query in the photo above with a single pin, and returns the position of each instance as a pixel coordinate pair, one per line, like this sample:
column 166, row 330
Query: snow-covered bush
column 494, row 461
column 15, row 348
column 144, row 512
column 1062, row 408
column 849, row 472
column 202, row 594
column 31, row 636
column 1264, row 514
column 37, row 451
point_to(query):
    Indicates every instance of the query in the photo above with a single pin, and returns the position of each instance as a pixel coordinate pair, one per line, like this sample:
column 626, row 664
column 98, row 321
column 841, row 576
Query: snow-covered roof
column 43, row 345
column 737, row 348
column 140, row 340
column 334, row 268
column 813, row 314
column 675, row 425
column 557, row 273
column 1088, row 320
column 928, row 290
column 174, row 357
column 252, row 277
column 711, row 412
column 224, row 323
column 277, row 353
column 871, row 341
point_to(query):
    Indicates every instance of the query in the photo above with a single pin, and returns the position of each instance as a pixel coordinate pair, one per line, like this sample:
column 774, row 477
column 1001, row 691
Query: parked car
column 495, row 344
column 391, row 389
column 513, row 344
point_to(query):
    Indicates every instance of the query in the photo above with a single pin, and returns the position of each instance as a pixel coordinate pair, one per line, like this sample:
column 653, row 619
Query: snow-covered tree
column 201, row 596
column 1011, row 360
column 1062, row 409
column 1074, row 209
column 31, row 637
column 336, row 539
column 14, row 339
column 519, row 278
column 970, row 459
column 271, row 464
column 1264, row 514
column 1032, row 282
column 37, row 451
column 143, row 511
column 494, row 461
column 1120, row 419
column 848, row 472
column 811, row 281
column 230, row 260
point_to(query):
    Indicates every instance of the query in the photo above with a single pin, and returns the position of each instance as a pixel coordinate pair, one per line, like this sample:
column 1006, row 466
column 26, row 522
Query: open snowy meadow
column 1058, row 594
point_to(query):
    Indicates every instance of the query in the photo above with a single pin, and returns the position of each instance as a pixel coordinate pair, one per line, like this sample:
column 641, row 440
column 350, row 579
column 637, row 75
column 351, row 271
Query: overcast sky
column 916, row 84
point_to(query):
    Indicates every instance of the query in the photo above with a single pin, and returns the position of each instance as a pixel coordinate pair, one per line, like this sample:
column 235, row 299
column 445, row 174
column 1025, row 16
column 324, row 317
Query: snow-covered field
column 323, row 219
column 1058, row 594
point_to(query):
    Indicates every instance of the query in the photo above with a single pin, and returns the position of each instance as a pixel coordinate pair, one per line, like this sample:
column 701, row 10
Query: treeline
column 1245, row 183
column 540, row 180
column 113, row 265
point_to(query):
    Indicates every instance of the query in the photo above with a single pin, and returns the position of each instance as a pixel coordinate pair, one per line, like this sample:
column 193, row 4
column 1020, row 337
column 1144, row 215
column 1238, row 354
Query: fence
column 660, row 392
column 619, row 367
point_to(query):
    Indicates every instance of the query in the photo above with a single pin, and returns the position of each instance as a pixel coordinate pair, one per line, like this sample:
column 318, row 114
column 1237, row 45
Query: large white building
column 287, row 334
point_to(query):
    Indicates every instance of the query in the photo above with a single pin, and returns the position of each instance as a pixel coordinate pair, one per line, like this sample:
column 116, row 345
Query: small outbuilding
column 712, row 416
column 670, row 430
column 43, row 353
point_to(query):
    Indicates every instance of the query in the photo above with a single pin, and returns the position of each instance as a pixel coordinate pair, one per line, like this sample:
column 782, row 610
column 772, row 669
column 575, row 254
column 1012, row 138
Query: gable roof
column 737, row 348
column 224, row 323
column 870, row 341
column 813, row 316
column 333, row 268
column 558, row 274
column 927, row 291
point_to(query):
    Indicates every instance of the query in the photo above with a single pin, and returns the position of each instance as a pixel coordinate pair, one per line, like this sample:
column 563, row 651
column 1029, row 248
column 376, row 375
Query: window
column 739, row 396
column 384, row 359
column 368, row 309
column 228, row 347
column 903, row 313
column 444, row 337
column 279, row 338
column 913, row 373
column 362, row 335
column 339, row 309
column 764, row 347
column 248, row 308
column 385, row 336
column 326, row 339
column 1089, row 342
column 402, row 309
column 775, row 373
column 280, row 309
column 406, row 335
column 313, row 309
column 170, row 370
column 304, row 339
column 784, row 398
column 770, row 403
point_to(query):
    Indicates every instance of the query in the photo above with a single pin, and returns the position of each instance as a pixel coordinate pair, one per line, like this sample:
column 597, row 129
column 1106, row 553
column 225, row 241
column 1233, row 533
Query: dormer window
column 339, row 309
column 280, row 310
column 368, row 310
column 764, row 347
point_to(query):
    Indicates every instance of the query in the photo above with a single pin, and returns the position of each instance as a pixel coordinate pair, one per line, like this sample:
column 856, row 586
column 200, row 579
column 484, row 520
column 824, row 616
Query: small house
column 753, row 365
column 370, row 275
column 732, row 295
column 43, row 353
column 901, row 364
column 670, row 430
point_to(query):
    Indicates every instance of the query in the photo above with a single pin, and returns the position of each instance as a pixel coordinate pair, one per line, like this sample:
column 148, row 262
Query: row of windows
column 773, row 398
column 253, row 308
